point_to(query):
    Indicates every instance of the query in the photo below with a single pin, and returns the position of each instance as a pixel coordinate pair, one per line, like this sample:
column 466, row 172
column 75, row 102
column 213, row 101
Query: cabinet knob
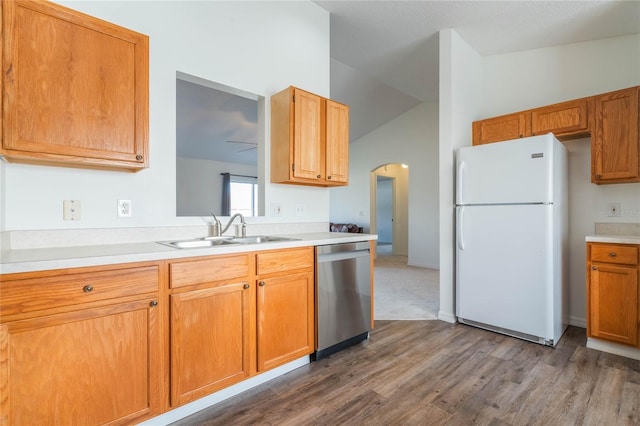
column 595, row 268
column 246, row 286
column 153, row 303
column 328, row 177
column 521, row 136
column 319, row 176
column 612, row 254
column 87, row 288
column 598, row 176
column 261, row 283
column 139, row 157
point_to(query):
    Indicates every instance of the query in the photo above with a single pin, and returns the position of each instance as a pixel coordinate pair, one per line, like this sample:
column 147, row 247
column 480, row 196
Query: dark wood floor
column 435, row 373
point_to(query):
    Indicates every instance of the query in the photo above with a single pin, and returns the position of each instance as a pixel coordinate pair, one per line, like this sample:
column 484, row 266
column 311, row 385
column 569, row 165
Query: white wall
column 522, row 80
column 258, row 47
column 460, row 77
column 412, row 139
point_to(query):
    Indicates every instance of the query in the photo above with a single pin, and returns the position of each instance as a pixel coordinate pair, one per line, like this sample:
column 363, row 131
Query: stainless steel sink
column 218, row 241
column 198, row 243
column 257, row 239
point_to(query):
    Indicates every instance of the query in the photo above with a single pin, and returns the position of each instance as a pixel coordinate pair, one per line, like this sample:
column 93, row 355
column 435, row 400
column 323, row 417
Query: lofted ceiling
column 384, row 54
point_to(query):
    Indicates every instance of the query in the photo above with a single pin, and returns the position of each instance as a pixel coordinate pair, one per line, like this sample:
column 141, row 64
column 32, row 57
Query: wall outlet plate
column 124, row 208
column 276, row 209
column 613, row 210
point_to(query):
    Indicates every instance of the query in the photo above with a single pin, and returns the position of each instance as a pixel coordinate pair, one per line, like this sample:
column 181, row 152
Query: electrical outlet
column 613, row 210
column 124, row 208
column 276, row 209
column 71, row 209
column 299, row 210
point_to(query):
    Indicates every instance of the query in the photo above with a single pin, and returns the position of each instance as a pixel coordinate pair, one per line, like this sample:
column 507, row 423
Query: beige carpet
column 403, row 292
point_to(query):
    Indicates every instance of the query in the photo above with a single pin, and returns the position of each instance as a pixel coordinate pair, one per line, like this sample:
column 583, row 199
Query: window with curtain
column 240, row 195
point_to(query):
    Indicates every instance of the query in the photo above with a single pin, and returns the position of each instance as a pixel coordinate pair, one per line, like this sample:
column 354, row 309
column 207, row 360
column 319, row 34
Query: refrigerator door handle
column 460, row 225
column 459, row 183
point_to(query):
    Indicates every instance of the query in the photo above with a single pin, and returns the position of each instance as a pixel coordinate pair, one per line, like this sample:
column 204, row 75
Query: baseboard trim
column 447, row 317
column 214, row 398
column 578, row 321
column 613, row 348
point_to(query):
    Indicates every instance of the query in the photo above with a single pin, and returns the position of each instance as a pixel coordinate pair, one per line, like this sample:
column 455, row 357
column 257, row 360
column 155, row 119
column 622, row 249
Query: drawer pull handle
column 246, row 286
column 612, row 254
column 87, row 288
column 595, row 268
column 261, row 283
column 153, row 303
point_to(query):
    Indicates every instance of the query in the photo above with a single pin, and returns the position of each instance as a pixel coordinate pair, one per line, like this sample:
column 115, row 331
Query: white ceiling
column 384, row 54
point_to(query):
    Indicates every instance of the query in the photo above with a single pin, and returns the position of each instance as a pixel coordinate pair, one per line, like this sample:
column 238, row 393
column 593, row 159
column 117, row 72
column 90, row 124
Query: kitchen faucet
column 217, row 226
column 244, row 224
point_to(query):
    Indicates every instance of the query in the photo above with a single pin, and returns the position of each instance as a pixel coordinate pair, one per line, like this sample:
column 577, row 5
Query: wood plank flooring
column 435, row 373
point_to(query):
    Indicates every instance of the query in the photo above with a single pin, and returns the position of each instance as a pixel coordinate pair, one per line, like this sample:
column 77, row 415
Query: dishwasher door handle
column 331, row 257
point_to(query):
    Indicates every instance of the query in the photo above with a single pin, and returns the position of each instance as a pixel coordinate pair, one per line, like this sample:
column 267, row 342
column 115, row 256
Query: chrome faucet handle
column 217, row 226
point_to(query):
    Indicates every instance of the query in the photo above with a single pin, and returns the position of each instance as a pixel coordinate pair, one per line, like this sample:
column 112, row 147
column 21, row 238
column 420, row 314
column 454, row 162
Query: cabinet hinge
column 293, row 167
column 294, row 98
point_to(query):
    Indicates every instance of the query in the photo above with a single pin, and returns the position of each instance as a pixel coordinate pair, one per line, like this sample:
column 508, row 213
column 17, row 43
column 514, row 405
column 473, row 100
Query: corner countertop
column 615, row 239
column 31, row 260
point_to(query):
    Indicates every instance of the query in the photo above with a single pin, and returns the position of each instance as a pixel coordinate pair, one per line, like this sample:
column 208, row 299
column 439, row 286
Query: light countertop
column 30, row 260
column 615, row 239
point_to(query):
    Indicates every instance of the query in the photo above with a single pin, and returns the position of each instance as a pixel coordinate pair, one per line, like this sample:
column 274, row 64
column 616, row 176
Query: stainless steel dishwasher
column 343, row 296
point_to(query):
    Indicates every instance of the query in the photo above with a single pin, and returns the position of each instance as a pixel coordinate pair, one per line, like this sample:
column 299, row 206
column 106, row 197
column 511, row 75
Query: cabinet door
column 565, row 120
column 75, row 88
column 307, row 134
column 285, row 319
column 613, row 303
column 210, row 340
column 337, row 143
column 89, row 367
column 615, row 143
column 503, row 128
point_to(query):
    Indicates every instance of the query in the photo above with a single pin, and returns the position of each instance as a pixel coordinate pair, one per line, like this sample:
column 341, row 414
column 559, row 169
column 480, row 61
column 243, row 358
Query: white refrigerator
column 511, row 238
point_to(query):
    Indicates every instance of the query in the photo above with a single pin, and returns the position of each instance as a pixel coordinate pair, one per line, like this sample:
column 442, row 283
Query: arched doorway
column 389, row 207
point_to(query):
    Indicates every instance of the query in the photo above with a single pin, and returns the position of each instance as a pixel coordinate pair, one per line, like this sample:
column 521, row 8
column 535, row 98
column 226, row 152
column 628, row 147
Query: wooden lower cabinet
column 613, row 298
column 92, row 363
column 285, row 319
column 233, row 316
column 210, row 340
column 285, row 306
column 120, row 344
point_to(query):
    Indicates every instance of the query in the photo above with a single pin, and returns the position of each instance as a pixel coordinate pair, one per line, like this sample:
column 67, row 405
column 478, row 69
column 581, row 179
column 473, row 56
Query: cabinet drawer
column 614, row 253
column 284, row 260
column 208, row 270
column 52, row 291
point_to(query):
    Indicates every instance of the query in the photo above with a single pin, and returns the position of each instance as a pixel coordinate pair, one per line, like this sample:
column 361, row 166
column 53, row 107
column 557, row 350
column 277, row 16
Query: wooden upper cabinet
column 565, row 120
column 502, row 128
column 307, row 135
column 75, row 89
column 337, row 146
column 309, row 139
column 615, row 144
